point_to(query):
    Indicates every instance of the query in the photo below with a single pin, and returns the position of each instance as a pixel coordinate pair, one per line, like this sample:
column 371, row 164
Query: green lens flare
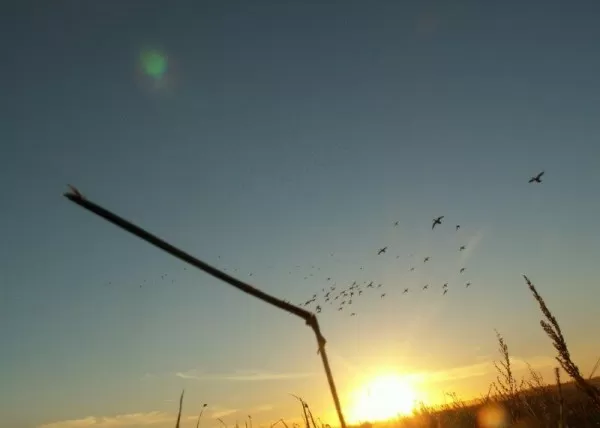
column 154, row 63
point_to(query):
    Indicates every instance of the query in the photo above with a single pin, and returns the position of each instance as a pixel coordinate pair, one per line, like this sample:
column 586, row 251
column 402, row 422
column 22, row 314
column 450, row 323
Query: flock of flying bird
column 343, row 297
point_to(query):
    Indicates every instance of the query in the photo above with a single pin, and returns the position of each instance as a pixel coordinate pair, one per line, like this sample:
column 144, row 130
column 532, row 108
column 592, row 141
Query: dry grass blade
column 304, row 412
column 280, row 421
column 593, row 372
column 553, row 331
column 180, row 407
column 200, row 415
column 561, row 400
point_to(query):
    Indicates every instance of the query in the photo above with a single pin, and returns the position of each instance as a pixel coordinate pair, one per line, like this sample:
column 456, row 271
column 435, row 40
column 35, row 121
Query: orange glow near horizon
column 381, row 398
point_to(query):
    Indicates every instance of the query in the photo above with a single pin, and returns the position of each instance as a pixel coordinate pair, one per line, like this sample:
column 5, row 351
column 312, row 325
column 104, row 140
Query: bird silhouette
column 405, row 291
column 468, row 284
column 395, row 223
column 462, row 248
column 437, row 221
column 383, row 295
column 457, row 226
column 445, row 291
column 412, row 269
column 426, row 259
column 536, row 178
column 381, row 251
column 426, row 286
column 462, row 270
column 445, row 285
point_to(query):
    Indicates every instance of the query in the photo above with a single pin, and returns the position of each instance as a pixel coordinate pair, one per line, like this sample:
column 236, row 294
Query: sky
column 282, row 140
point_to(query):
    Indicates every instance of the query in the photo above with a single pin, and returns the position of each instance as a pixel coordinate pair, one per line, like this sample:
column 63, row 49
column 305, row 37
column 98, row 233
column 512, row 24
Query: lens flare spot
column 492, row 416
column 154, row 63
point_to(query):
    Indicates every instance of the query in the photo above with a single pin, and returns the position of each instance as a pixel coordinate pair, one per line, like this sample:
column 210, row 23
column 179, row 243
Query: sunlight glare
column 382, row 398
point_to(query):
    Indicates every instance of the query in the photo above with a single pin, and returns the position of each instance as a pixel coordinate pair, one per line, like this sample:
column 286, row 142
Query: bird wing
column 540, row 174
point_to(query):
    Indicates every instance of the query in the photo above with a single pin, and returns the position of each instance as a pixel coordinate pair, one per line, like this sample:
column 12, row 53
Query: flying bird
column 412, row 269
column 395, row 223
column 426, row 286
column 457, row 226
column 462, row 270
column 437, row 221
column 445, row 291
column 462, row 248
column 468, row 284
column 381, row 251
column 445, row 285
column 405, row 291
column 426, row 259
column 536, row 178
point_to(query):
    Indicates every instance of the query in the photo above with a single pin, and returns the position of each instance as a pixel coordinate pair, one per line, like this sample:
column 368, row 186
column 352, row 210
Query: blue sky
column 282, row 132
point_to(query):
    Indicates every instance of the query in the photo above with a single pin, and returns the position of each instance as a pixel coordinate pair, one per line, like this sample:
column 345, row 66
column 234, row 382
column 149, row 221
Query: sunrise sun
column 382, row 398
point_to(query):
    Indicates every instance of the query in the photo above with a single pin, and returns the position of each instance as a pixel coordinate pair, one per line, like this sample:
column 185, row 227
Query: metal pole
column 308, row 317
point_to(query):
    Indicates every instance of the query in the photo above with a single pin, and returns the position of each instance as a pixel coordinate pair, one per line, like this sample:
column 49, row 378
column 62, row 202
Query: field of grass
column 509, row 402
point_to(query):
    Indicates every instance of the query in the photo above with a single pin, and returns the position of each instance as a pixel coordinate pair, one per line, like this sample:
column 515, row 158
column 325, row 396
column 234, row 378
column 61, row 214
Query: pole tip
column 74, row 193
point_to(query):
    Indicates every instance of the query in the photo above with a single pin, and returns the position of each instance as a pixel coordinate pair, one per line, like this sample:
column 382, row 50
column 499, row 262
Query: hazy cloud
column 241, row 376
column 263, row 408
column 481, row 369
column 222, row 412
column 130, row 420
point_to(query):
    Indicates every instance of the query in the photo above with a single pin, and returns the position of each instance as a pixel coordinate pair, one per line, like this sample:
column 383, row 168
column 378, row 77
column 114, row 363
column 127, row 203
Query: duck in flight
column 426, row 286
column 426, row 259
column 536, row 178
column 462, row 270
column 405, row 291
column 468, row 284
column 381, row 251
column 395, row 223
column 437, row 221
column 445, row 291
column 462, row 248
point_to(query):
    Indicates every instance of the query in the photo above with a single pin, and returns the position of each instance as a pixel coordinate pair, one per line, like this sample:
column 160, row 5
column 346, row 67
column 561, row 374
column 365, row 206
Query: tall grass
column 552, row 329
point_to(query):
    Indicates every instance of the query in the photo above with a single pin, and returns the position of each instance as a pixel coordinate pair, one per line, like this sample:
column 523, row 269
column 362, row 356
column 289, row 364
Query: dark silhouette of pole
column 309, row 317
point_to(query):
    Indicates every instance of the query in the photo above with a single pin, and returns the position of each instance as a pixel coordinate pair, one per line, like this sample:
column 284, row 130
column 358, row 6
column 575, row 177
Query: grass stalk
column 554, row 332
